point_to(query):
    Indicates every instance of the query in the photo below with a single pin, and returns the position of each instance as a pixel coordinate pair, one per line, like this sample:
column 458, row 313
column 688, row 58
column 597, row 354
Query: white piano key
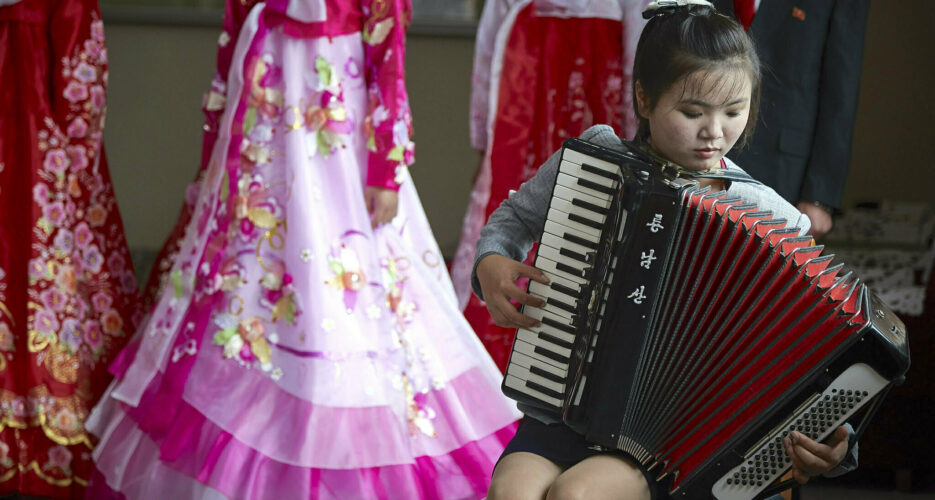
column 563, row 244
column 528, row 349
column 554, row 254
column 575, row 170
column 559, row 287
column 553, row 227
column 548, row 265
column 523, row 373
column 568, row 208
column 548, row 335
column 541, row 314
column 581, row 159
column 560, row 280
column 570, row 182
column 519, row 385
column 562, row 218
column 571, row 194
column 546, row 293
column 518, row 358
column 531, row 337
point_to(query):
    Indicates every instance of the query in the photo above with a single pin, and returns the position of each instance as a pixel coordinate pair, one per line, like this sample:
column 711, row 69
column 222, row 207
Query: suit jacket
column 812, row 52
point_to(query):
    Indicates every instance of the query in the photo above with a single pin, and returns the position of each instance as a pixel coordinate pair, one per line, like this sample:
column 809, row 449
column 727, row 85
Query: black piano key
column 555, row 324
column 580, row 241
column 558, row 287
column 544, row 390
column 555, row 340
column 561, row 305
column 596, row 187
column 535, row 370
column 561, row 326
column 589, row 206
column 575, row 255
column 599, row 171
column 586, row 221
column 542, row 351
column 583, row 273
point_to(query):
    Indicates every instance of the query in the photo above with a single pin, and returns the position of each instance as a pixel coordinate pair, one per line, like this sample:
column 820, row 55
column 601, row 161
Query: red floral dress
column 68, row 295
column 532, row 90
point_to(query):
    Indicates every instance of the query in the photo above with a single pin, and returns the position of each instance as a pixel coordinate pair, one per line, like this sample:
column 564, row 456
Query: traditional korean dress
column 294, row 352
column 68, row 295
column 544, row 71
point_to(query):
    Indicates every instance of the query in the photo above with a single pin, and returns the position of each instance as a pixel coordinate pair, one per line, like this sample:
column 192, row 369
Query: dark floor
column 864, row 484
column 868, row 483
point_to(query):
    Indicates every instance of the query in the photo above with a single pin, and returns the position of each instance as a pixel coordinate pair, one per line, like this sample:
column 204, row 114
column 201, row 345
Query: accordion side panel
column 648, row 370
column 691, row 342
column 686, row 270
column 633, row 299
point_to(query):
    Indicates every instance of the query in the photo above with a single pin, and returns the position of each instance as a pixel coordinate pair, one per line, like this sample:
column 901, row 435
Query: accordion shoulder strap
column 729, row 174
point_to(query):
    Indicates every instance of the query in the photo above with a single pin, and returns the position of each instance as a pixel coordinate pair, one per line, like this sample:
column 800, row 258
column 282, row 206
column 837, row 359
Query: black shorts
column 565, row 447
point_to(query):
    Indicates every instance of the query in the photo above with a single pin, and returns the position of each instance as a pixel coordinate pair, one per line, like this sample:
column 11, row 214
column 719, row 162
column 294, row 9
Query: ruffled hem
column 299, row 432
column 199, row 460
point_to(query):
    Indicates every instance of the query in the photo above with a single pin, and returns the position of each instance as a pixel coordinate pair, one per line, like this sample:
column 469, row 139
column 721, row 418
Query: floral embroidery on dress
column 348, row 275
column 5, row 461
column 393, row 282
column 419, row 415
column 59, row 458
column 278, row 293
column 81, row 286
column 254, row 207
column 7, row 345
column 325, row 116
column 243, row 339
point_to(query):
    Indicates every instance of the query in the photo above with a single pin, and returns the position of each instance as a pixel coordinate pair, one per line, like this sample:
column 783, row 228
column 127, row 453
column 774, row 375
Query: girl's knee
column 507, row 490
column 604, row 479
column 522, row 476
column 569, row 489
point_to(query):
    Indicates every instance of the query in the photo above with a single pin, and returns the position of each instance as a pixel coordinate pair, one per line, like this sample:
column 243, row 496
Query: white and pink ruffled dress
column 294, row 352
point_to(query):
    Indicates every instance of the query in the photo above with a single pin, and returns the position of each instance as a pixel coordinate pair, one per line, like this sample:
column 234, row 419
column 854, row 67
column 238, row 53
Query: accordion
column 691, row 329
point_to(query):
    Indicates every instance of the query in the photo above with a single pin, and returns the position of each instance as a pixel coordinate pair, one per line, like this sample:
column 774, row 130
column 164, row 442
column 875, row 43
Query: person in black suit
column 812, row 52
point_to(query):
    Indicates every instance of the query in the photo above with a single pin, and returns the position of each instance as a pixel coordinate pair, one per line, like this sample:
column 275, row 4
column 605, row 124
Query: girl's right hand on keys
column 497, row 276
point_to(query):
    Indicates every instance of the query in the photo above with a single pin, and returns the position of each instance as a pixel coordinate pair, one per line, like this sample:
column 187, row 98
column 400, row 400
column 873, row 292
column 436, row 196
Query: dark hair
column 685, row 40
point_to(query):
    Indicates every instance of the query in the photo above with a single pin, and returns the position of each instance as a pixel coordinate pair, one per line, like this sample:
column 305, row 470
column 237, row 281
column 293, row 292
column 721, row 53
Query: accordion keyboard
column 581, row 203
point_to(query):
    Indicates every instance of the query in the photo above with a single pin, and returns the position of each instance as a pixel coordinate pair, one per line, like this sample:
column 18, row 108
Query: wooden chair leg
column 793, row 492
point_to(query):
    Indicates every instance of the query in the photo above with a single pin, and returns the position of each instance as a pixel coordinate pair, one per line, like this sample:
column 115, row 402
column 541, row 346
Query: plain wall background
column 158, row 73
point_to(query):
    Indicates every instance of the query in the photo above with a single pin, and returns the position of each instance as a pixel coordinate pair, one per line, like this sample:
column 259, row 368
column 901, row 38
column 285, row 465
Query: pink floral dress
column 294, row 352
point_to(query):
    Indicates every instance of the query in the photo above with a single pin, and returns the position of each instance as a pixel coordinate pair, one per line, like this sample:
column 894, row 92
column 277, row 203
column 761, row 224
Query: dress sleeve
column 389, row 122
